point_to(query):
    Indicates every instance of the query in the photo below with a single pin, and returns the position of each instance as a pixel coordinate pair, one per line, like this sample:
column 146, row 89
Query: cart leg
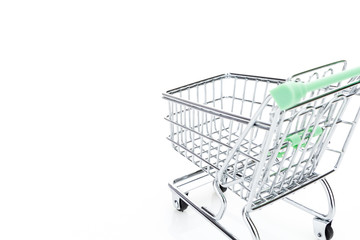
column 331, row 199
column 219, row 192
column 322, row 226
column 322, row 222
column 254, row 232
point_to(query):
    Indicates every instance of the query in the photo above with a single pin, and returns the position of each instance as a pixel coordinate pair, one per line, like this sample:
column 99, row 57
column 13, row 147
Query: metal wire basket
column 231, row 128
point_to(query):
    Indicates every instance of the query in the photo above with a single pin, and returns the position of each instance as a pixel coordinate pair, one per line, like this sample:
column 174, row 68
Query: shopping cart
column 231, row 128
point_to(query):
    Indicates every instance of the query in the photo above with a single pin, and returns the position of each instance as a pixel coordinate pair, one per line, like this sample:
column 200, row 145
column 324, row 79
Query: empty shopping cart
column 234, row 131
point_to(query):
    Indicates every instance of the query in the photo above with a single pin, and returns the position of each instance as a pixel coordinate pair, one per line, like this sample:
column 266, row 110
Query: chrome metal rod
column 254, row 232
column 331, row 202
column 202, row 212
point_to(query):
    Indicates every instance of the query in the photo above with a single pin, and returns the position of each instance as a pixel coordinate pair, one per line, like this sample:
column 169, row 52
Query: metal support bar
column 331, row 202
column 254, row 232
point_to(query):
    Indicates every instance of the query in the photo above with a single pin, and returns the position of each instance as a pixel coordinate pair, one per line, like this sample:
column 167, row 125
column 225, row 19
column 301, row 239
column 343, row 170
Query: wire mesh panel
column 206, row 132
column 302, row 136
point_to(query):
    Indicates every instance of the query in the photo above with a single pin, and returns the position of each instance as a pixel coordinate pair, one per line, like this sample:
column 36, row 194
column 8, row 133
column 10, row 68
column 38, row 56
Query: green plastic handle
column 323, row 82
column 290, row 93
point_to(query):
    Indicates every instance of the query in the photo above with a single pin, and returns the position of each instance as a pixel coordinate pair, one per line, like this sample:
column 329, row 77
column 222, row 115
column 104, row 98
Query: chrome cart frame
column 231, row 129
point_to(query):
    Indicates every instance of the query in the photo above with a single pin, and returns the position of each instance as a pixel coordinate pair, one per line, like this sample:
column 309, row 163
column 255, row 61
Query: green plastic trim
column 289, row 94
column 295, row 139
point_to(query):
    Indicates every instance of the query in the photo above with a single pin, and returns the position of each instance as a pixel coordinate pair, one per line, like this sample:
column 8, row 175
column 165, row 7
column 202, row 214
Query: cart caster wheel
column 329, row 232
column 179, row 204
column 223, row 189
column 323, row 229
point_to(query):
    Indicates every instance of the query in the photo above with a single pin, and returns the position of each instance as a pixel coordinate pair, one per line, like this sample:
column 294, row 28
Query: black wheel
column 223, row 189
column 182, row 205
column 329, row 232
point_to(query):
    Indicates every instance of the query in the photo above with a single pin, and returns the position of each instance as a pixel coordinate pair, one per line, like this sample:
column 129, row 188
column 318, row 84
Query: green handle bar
column 289, row 94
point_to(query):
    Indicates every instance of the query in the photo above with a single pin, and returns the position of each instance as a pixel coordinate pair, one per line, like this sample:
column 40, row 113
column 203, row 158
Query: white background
column 83, row 153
